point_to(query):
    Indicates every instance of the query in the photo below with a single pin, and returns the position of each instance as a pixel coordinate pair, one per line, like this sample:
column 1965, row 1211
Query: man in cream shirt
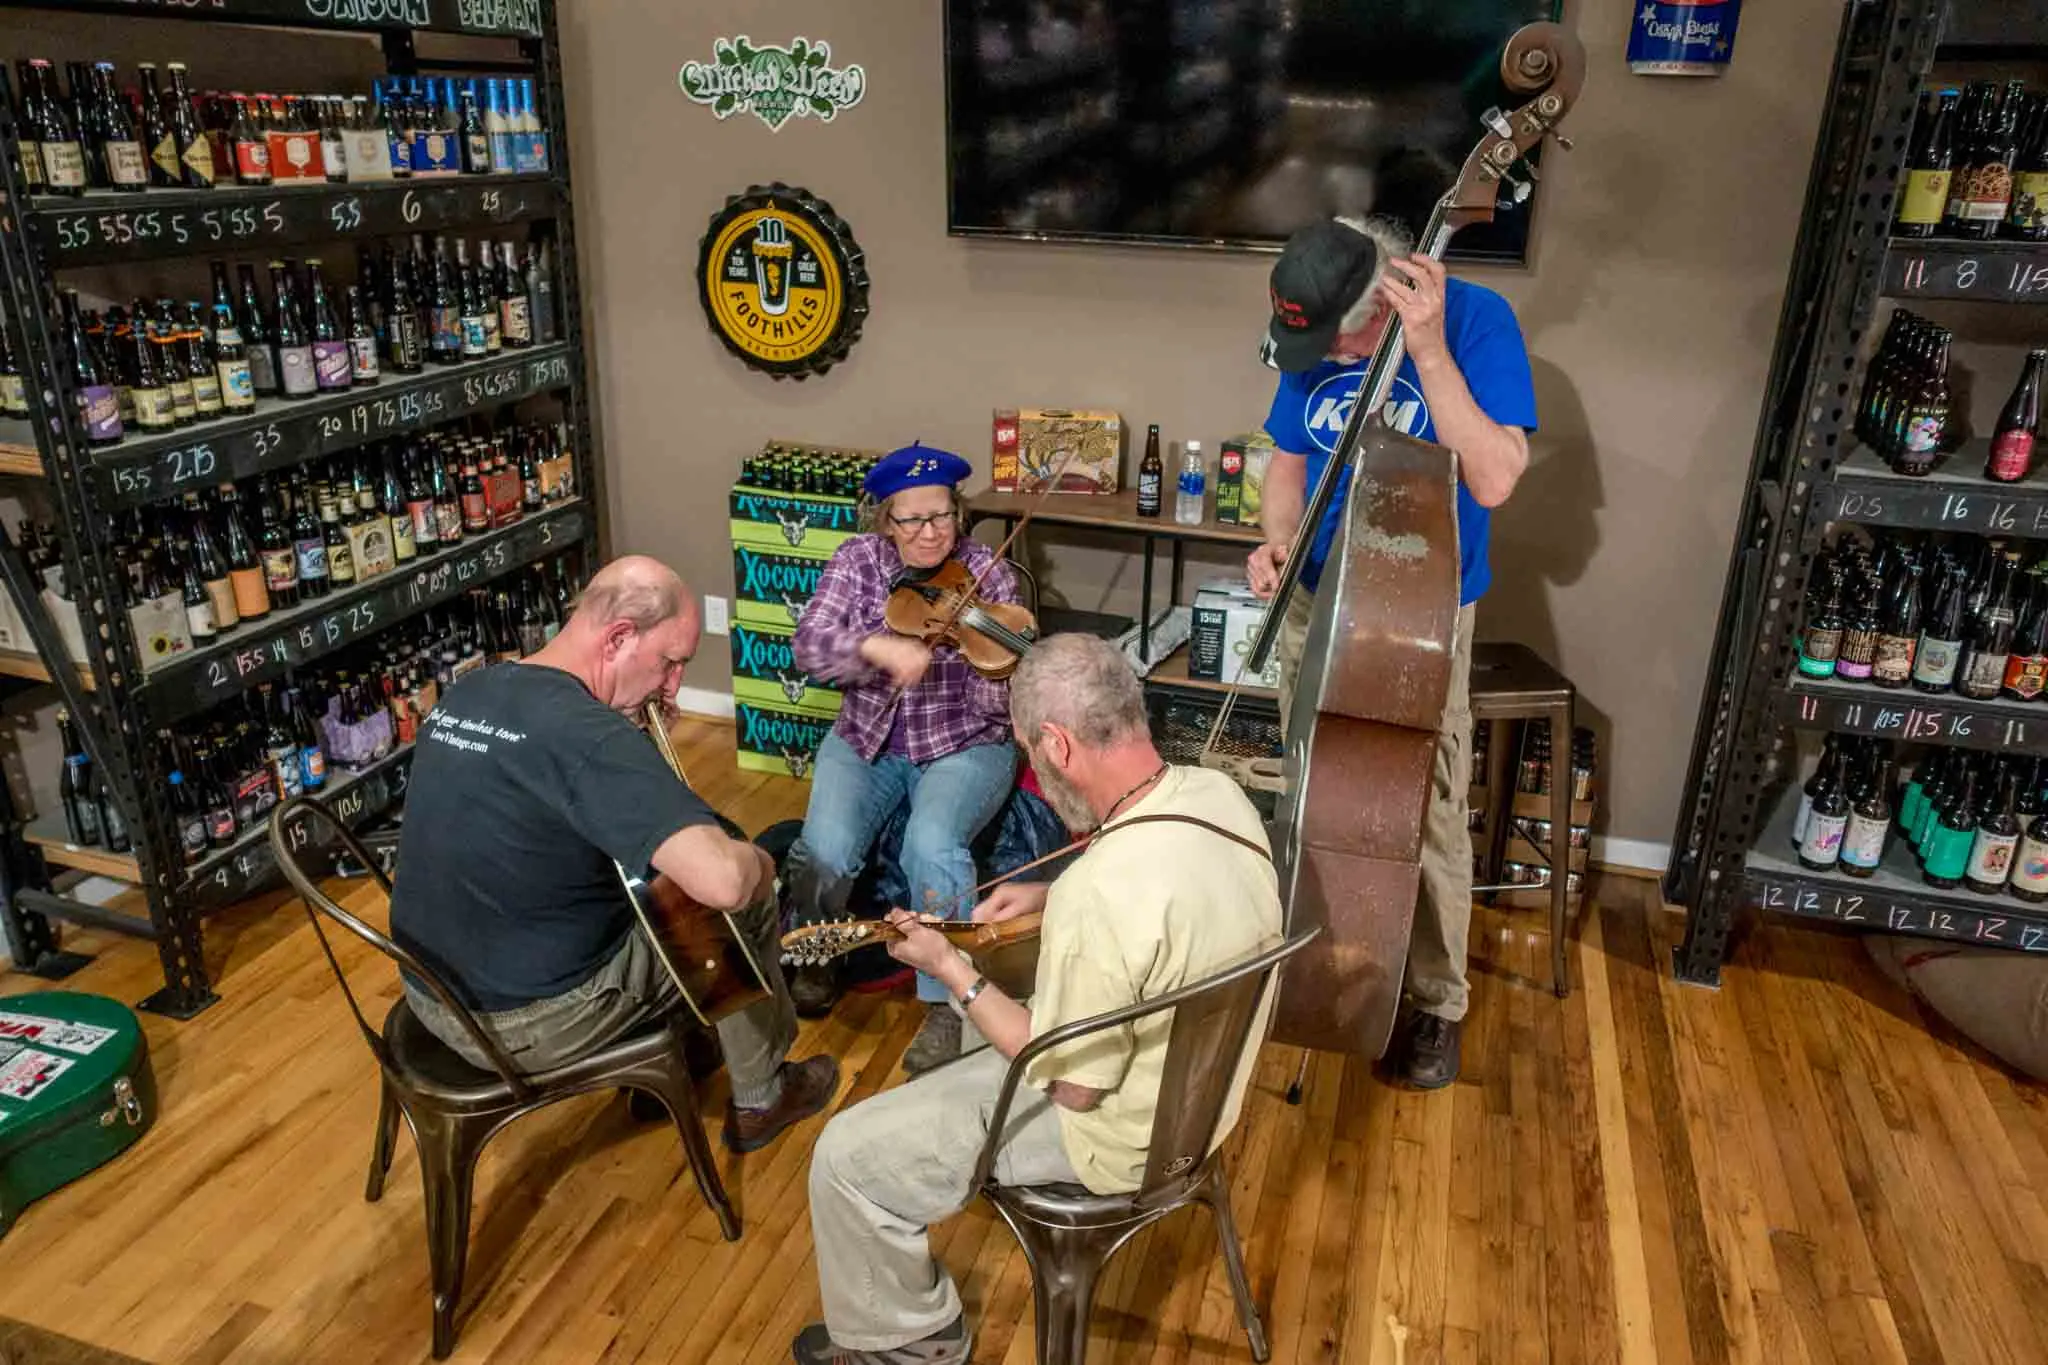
column 1142, row 912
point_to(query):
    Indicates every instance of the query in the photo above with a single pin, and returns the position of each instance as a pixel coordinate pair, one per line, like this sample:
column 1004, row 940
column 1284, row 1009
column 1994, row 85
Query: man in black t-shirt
column 529, row 783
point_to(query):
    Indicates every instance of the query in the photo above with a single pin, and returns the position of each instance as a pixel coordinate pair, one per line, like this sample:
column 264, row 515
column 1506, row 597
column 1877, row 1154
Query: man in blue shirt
column 1463, row 384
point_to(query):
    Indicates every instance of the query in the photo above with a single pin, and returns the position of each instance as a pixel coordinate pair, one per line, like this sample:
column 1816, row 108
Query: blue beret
column 914, row 466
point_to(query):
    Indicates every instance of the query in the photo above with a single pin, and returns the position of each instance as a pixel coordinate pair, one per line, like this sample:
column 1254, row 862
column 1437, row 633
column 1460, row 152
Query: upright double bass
column 1375, row 673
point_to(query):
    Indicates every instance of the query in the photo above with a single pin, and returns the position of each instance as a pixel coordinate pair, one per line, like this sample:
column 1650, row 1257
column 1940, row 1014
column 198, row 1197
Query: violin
column 944, row 606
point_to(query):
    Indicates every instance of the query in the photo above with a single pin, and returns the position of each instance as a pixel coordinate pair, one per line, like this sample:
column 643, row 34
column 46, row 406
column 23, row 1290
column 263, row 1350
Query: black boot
column 815, row 990
column 1430, row 1061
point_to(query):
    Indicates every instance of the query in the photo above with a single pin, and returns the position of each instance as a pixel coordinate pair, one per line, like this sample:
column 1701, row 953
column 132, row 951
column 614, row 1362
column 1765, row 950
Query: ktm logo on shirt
column 1328, row 408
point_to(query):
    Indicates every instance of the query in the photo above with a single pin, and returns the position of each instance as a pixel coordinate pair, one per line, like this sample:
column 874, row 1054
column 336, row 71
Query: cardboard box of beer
column 1226, row 617
column 1030, row 445
column 779, row 739
column 765, row 671
column 1241, row 478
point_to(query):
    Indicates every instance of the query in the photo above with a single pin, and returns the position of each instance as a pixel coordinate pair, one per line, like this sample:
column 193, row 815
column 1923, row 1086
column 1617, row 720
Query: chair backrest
column 1212, row 1025
column 292, row 836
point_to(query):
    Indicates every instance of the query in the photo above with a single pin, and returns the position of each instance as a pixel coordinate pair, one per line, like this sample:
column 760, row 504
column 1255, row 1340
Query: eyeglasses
column 919, row 525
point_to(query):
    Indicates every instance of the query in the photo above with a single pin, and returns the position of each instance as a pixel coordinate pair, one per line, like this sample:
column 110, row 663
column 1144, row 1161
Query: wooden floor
column 1798, row 1167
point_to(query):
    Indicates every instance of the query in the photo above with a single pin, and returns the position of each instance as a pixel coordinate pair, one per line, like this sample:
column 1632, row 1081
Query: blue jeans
column 950, row 799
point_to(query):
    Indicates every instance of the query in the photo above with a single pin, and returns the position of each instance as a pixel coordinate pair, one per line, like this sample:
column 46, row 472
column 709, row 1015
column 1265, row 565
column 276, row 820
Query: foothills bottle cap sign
column 783, row 282
column 774, row 84
column 1695, row 38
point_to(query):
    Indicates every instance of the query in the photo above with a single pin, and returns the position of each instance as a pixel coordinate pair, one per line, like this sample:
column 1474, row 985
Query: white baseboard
column 1641, row 854
column 702, row 701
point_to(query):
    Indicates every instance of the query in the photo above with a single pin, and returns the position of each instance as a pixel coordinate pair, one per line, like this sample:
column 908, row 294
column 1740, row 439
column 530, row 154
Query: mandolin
column 702, row 950
column 816, row 944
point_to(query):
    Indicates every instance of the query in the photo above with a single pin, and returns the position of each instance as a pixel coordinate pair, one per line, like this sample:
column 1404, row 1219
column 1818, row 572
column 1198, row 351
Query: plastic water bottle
column 1187, row 503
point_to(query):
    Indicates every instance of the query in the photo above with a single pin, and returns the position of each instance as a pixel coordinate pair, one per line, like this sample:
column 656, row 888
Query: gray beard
column 1066, row 800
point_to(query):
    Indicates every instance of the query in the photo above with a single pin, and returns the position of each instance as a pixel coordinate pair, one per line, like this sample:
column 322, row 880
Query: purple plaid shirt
column 951, row 708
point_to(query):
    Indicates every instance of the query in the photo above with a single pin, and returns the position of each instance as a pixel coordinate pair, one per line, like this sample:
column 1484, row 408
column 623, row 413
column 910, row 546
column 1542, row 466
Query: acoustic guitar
column 701, row 949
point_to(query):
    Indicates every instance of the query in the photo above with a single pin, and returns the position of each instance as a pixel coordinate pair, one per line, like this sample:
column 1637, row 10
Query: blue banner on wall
column 1691, row 39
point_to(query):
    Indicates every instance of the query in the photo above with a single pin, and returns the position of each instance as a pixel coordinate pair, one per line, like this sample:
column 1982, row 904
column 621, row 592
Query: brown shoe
column 1430, row 1061
column 807, row 1087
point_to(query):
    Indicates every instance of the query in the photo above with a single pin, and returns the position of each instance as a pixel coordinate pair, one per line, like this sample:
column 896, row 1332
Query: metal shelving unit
column 119, row 706
column 1731, row 851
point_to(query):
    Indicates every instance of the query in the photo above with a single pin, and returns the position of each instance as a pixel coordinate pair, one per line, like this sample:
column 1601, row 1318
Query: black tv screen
column 1221, row 123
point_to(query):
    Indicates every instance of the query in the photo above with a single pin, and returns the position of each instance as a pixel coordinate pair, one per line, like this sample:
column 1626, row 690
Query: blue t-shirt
column 1310, row 409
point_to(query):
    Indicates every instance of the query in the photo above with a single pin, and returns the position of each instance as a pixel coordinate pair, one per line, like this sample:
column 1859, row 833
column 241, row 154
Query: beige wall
column 1649, row 307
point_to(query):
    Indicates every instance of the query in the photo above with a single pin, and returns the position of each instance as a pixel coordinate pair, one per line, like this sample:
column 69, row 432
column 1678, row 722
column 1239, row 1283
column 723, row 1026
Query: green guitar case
column 76, row 1091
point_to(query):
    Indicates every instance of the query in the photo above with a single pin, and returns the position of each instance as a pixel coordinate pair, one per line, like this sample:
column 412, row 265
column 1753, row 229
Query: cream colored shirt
column 1145, row 911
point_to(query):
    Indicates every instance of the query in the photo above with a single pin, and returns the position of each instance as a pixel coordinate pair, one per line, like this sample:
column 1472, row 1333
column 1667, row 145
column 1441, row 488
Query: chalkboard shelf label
column 105, row 226
column 256, row 653
column 1997, row 272
column 1956, row 497
column 279, row 434
column 1912, row 717
column 1894, row 900
column 249, row 864
column 504, row 18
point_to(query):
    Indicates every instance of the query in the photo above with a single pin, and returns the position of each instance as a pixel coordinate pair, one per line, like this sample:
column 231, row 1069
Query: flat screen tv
column 1220, row 123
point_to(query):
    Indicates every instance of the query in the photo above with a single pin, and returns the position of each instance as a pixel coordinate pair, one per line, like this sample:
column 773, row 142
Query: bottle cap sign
column 1696, row 38
column 782, row 281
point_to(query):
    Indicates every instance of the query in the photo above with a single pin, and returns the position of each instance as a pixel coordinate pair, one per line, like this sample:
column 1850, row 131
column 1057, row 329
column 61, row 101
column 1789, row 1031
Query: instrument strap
column 1168, row 816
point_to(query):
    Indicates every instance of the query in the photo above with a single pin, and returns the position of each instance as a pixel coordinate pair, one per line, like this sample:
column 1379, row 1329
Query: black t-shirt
column 524, row 790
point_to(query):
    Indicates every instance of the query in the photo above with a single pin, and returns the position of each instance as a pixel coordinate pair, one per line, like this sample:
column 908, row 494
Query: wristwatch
column 967, row 996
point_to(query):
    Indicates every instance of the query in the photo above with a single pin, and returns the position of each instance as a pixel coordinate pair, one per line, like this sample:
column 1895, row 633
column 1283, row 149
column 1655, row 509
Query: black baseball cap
column 1321, row 273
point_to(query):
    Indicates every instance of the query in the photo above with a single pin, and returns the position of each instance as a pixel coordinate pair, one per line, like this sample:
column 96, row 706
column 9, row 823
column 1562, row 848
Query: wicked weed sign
column 774, row 84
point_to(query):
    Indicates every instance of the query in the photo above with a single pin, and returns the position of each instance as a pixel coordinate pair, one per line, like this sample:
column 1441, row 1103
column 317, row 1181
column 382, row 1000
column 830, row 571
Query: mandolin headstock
column 1547, row 62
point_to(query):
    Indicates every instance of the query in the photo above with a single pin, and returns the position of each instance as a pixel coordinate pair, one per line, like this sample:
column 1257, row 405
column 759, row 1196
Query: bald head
column 637, row 589
column 1081, row 683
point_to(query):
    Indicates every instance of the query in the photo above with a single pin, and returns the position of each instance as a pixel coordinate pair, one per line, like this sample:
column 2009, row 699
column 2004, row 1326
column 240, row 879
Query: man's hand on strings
column 921, row 946
column 1012, row 900
column 1414, row 289
column 1262, row 566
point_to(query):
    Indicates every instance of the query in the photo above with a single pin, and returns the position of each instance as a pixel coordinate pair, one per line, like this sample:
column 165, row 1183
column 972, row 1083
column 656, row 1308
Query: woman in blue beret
column 917, row 727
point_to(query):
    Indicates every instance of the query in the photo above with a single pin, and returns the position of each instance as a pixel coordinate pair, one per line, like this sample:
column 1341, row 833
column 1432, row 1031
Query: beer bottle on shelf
column 2027, row 220
column 27, row 141
column 2012, row 440
column 362, row 341
column 63, row 155
column 166, row 341
column 550, row 608
column 444, row 306
column 309, row 541
column 74, row 787
column 1923, row 195
column 186, row 816
column 233, row 377
column 274, row 547
column 296, row 374
column 333, row 366
column 1945, row 852
column 113, row 827
column 149, row 390
column 419, row 502
column 1151, row 475
column 82, row 106
column 476, row 514
column 1820, row 844
column 1941, row 635
column 1913, row 803
column 476, row 141
column 341, row 560
column 312, row 754
column 470, row 305
column 2026, row 665
column 1821, row 642
column 1989, row 198
column 515, row 314
column 1980, row 671
column 404, row 544
column 201, row 366
column 1898, row 626
column 1998, row 834
column 1816, row 782
column 195, row 149
column 258, row 340
column 198, row 602
column 99, row 409
column 1969, row 137
column 1925, row 429
column 2030, row 860
column 1874, row 375
column 13, row 383
column 165, row 171
column 120, row 145
column 280, row 746
column 532, row 625
column 1857, row 659
column 245, row 568
column 405, row 341
column 250, row 143
column 1870, row 821
column 540, row 291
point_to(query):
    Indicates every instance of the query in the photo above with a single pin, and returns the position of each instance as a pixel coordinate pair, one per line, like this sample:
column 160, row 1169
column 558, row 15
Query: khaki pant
column 1443, row 910
column 625, row 994
column 888, row 1168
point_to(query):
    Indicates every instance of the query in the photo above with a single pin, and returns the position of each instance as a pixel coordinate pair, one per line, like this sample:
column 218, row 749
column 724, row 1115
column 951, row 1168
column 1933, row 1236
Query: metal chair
column 1069, row 1233
column 454, row 1108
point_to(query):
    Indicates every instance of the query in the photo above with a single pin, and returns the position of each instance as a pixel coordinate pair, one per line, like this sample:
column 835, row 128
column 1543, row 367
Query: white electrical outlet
column 715, row 622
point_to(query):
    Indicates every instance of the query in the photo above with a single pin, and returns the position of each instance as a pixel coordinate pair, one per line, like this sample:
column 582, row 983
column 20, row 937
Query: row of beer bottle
column 1971, row 820
column 1934, row 613
column 1907, row 408
column 99, row 134
column 1977, row 165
